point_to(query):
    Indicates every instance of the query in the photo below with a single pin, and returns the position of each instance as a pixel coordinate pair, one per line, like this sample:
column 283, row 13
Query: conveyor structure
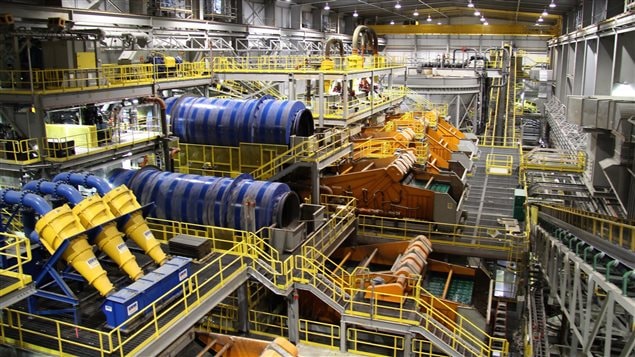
column 590, row 284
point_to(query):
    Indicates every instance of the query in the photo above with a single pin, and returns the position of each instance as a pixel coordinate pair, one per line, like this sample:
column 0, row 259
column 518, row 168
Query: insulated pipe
column 228, row 122
column 93, row 212
column 121, row 202
column 53, row 228
column 215, row 201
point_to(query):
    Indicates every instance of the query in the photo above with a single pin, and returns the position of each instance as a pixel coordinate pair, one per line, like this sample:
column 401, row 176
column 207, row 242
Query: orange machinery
column 441, row 147
column 408, row 261
column 393, row 285
column 235, row 346
column 397, row 187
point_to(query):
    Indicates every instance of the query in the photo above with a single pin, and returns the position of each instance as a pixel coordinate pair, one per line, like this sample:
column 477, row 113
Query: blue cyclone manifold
column 228, row 122
column 214, row 201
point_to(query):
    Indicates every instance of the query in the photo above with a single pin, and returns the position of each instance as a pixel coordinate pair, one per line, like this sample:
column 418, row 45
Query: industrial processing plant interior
column 301, row 178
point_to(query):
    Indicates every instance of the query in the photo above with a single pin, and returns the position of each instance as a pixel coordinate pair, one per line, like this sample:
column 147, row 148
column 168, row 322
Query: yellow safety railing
column 240, row 250
column 62, row 147
column 299, row 64
column 208, row 160
column 15, row 225
column 190, row 294
column 424, row 348
column 423, row 104
column 379, row 148
column 488, row 140
column 222, row 239
column 342, row 216
column 312, row 149
column 268, row 324
column 221, row 319
column 553, row 160
column 17, row 252
column 497, row 164
column 22, row 152
column 319, row 334
column 256, row 293
column 106, row 76
column 265, row 257
column 262, row 161
column 333, row 108
column 373, row 343
column 616, row 232
column 413, row 309
column 457, row 235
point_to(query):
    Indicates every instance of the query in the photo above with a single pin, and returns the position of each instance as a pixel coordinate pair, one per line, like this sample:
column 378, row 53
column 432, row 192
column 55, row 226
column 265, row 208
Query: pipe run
column 240, row 203
column 29, row 200
column 88, row 180
column 228, row 122
column 121, row 202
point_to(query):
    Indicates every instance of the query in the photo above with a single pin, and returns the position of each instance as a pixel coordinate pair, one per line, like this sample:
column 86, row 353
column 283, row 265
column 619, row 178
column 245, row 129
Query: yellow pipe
column 121, row 202
column 93, row 212
column 60, row 224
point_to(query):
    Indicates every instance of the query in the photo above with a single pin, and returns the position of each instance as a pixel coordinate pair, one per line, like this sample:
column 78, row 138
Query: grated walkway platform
column 491, row 196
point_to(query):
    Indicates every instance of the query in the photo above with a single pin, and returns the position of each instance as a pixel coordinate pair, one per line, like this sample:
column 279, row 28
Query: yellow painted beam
column 493, row 29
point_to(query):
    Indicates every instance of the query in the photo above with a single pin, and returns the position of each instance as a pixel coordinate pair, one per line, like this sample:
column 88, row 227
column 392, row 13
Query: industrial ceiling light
column 544, row 12
column 482, row 18
column 416, row 13
column 327, row 7
column 553, row 4
column 477, row 13
column 397, row 5
column 469, row 3
column 392, row 22
column 439, row 23
column 355, row 14
column 540, row 19
column 429, row 19
column 485, row 23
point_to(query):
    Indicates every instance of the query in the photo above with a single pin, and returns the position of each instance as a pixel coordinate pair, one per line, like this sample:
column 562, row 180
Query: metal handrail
column 480, row 238
column 18, row 249
column 616, row 232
